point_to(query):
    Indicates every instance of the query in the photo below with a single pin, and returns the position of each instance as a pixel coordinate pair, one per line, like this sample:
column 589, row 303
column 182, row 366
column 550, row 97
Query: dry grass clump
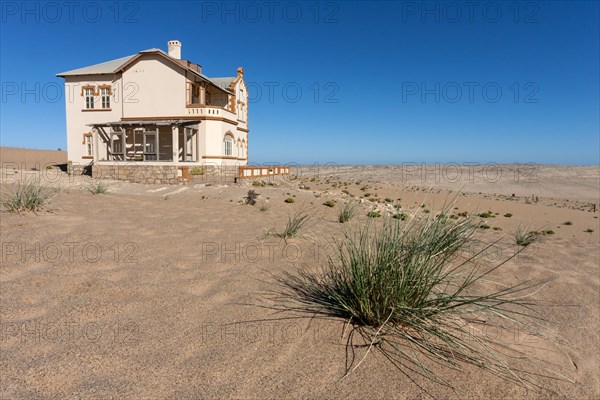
column 97, row 187
column 329, row 203
column 413, row 291
column 524, row 236
column 29, row 196
column 294, row 224
column 347, row 212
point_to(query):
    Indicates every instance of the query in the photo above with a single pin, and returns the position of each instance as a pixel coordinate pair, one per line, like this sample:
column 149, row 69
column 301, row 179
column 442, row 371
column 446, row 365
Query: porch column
column 124, row 143
column 112, row 142
column 157, row 143
column 198, row 156
column 193, row 141
column 175, row 142
column 95, row 141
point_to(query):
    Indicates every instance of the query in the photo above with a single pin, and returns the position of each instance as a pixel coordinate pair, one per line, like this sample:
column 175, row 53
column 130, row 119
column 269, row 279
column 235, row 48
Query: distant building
column 153, row 109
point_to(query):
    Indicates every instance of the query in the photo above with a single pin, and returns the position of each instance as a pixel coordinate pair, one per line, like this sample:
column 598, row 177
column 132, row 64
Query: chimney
column 175, row 49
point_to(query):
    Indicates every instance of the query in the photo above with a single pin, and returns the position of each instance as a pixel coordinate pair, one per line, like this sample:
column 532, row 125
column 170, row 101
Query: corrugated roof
column 107, row 67
column 223, row 83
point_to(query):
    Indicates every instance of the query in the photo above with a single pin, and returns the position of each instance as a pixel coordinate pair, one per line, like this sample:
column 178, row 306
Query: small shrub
column 347, row 212
column 329, row 203
column 388, row 200
column 197, row 171
column 508, row 215
column 589, row 230
column 97, row 187
column 401, row 216
column 289, row 200
column 29, row 196
column 548, row 232
column 258, row 183
column 346, row 191
column 463, row 214
column 567, row 223
column 374, row 214
column 487, row 214
column 484, row 226
column 497, row 228
column 264, row 207
column 251, row 197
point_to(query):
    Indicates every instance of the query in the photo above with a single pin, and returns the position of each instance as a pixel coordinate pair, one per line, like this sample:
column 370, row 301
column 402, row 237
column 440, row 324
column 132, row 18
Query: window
column 195, row 92
column 89, row 145
column 89, row 98
column 105, row 95
column 228, row 146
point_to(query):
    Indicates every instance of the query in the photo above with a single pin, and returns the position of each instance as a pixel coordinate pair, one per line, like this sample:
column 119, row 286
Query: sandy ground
column 18, row 158
column 152, row 291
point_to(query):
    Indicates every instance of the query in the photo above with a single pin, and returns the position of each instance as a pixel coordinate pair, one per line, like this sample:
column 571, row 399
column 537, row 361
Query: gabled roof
column 108, row 67
column 113, row 66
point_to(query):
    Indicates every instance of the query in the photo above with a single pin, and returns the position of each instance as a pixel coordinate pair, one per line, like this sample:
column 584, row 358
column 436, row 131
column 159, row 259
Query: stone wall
column 139, row 173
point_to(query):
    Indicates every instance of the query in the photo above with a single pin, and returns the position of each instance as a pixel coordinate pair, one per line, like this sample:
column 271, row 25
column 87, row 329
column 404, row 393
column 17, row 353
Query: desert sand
column 29, row 159
column 154, row 291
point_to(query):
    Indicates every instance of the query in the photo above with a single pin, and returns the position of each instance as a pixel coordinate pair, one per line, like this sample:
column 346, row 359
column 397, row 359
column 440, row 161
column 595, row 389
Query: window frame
column 88, row 95
column 88, row 143
column 105, row 94
column 228, row 143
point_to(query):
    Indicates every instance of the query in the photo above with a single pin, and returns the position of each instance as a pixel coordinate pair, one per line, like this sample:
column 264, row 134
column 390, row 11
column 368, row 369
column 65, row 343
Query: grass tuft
column 294, row 224
column 524, row 237
column 29, row 196
column 414, row 292
column 374, row 214
column 347, row 212
column 97, row 187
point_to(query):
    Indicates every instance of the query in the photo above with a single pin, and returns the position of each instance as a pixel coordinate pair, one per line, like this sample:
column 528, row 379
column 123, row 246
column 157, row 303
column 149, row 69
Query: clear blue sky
column 380, row 82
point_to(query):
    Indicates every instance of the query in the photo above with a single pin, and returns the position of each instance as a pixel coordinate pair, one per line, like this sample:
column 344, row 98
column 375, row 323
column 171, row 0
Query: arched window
column 228, row 145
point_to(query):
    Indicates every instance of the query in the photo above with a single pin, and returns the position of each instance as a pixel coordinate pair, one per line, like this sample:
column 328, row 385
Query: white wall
column 77, row 119
column 153, row 87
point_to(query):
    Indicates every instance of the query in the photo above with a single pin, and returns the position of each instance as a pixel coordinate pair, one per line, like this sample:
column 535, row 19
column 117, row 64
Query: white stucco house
column 155, row 112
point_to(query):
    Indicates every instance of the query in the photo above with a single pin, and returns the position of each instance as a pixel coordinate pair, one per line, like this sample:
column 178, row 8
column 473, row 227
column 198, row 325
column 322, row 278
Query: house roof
column 108, row 67
column 113, row 66
column 223, row 82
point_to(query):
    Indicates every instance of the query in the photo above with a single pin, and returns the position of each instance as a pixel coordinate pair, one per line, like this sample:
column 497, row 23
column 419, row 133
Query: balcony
column 201, row 110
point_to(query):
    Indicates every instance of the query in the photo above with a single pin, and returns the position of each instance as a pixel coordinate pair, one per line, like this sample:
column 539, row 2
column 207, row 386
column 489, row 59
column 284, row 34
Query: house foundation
column 137, row 173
